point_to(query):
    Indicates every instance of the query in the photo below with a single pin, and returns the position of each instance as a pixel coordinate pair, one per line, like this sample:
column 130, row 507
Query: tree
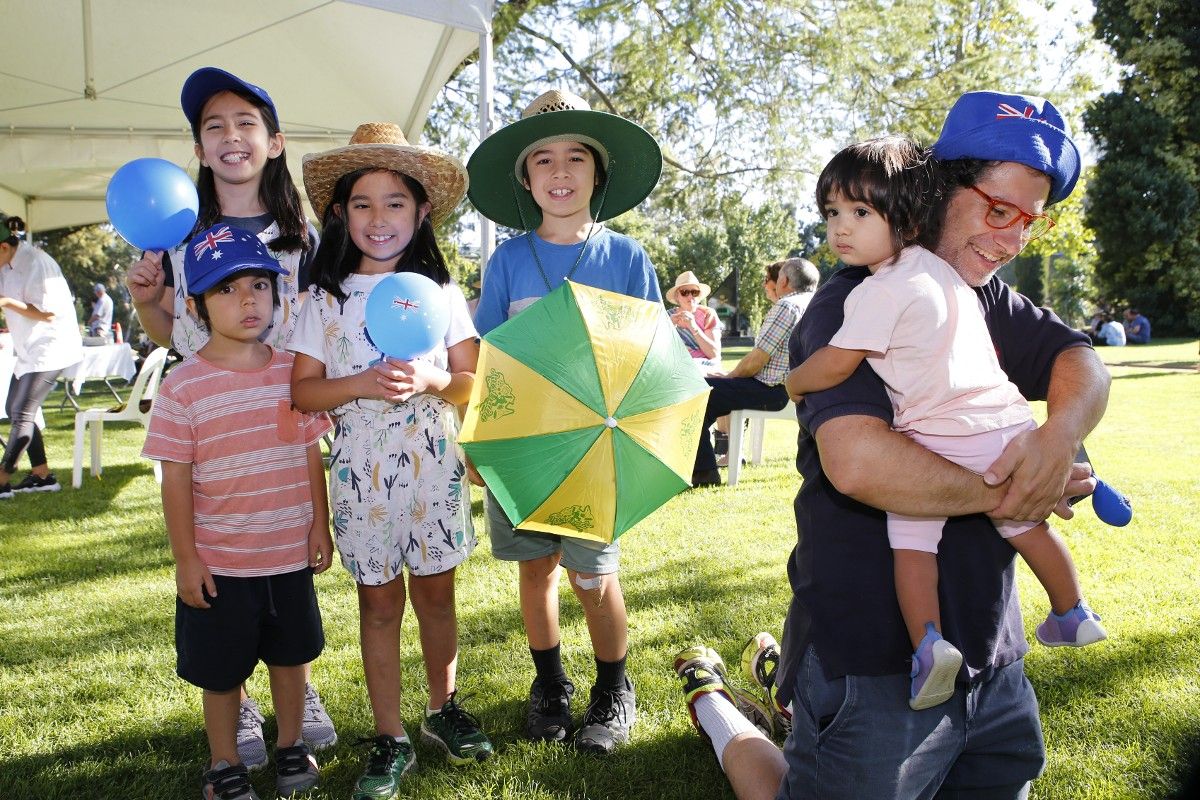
column 89, row 255
column 1066, row 258
column 1144, row 201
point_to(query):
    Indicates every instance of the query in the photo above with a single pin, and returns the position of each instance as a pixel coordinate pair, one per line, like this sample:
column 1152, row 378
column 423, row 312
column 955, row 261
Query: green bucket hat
column 631, row 158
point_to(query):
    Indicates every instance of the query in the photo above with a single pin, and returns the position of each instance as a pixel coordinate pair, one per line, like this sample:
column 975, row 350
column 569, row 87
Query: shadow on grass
column 163, row 758
column 1140, row 375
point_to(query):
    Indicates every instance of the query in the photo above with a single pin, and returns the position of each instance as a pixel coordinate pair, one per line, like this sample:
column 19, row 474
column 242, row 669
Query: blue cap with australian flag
column 221, row 251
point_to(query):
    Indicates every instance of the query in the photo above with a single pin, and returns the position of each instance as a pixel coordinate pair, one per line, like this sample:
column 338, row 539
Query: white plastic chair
column 758, row 424
column 144, row 390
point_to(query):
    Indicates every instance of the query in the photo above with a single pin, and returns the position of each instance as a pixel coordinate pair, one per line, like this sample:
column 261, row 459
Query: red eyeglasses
column 1002, row 214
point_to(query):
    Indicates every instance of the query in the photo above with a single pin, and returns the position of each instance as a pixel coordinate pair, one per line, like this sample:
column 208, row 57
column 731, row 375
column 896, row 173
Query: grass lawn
column 90, row 705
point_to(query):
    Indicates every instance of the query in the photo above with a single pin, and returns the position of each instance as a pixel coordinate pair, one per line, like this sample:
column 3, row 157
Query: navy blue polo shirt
column 843, row 590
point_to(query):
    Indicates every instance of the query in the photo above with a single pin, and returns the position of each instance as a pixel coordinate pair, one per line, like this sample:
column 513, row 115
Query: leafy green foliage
column 89, row 255
column 1144, row 202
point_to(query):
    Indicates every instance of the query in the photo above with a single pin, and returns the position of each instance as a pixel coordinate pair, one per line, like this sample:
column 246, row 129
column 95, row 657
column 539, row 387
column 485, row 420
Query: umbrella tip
column 610, row 422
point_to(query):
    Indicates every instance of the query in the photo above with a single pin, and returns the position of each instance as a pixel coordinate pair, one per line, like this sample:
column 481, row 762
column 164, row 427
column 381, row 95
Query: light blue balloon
column 152, row 203
column 407, row 315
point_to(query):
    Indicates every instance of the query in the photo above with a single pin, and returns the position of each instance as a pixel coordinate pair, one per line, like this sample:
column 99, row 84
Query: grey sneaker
column 295, row 769
column 224, row 782
column 252, row 750
column 608, row 719
column 316, row 727
column 549, row 716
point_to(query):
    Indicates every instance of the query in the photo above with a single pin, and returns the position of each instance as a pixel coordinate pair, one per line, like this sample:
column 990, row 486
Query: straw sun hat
column 688, row 279
column 628, row 153
column 381, row 145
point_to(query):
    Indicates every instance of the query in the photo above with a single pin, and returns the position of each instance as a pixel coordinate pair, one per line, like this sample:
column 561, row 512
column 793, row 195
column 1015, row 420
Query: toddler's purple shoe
column 934, row 668
column 1077, row 628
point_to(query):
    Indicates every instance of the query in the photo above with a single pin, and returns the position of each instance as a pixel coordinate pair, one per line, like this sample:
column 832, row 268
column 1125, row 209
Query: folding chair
column 135, row 409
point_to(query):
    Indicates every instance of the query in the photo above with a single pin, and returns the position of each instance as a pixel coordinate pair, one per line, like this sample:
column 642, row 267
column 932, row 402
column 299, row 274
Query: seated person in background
column 1137, row 327
column 1111, row 333
column 756, row 382
column 697, row 324
column 100, row 323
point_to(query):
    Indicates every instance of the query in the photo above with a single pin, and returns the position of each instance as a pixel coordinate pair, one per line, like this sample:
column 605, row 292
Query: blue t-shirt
column 512, row 281
column 1138, row 331
column 843, row 590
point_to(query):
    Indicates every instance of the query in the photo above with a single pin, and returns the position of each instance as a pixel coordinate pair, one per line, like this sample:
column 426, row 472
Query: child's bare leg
column 916, row 574
column 433, row 601
column 380, row 611
column 220, row 724
column 287, row 693
column 604, row 610
column 1047, row 555
column 539, row 600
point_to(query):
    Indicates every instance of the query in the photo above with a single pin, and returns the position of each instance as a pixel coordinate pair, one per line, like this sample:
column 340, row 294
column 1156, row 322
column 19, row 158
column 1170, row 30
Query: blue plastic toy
column 1111, row 506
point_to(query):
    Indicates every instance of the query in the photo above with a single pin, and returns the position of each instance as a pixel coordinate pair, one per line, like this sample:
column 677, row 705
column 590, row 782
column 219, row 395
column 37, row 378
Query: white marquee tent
column 87, row 85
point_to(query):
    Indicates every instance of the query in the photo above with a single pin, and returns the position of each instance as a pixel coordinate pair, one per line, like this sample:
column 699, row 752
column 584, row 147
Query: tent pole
column 487, row 228
column 89, row 78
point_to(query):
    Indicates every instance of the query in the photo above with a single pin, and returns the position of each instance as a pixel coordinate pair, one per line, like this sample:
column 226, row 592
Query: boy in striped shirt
column 243, row 489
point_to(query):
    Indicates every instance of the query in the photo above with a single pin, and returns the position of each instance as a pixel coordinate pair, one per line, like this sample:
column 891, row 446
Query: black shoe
column 32, row 483
column 706, row 477
column 608, row 719
column 549, row 718
column 6, row 491
column 720, row 443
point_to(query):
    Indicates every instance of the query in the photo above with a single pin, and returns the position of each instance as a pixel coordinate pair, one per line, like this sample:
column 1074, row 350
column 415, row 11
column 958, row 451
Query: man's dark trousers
column 732, row 394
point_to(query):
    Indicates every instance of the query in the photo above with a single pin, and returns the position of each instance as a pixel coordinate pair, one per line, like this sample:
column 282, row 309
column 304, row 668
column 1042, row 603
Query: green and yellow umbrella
column 586, row 413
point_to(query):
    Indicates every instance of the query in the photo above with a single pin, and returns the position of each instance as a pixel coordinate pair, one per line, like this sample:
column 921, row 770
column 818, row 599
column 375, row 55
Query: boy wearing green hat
column 556, row 174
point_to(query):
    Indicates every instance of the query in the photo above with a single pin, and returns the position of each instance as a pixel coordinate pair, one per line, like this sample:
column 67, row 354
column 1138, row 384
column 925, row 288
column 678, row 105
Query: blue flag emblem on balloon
column 407, row 315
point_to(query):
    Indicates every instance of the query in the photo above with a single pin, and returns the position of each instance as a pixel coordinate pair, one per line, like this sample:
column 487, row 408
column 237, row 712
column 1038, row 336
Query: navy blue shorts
column 274, row 619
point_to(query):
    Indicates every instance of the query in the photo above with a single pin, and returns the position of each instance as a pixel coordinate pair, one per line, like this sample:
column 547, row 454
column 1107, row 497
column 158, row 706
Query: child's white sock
column 721, row 720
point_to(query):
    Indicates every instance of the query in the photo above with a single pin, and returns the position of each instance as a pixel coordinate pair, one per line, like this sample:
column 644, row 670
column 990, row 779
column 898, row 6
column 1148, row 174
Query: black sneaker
column 224, row 782
column 549, row 718
column 32, row 483
column 6, row 491
column 608, row 719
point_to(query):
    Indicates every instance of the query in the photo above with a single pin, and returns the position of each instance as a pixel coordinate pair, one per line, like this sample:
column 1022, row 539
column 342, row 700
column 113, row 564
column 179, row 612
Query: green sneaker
column 456, row 731
column 702, row 670
column 386, row 765
column 760, row 659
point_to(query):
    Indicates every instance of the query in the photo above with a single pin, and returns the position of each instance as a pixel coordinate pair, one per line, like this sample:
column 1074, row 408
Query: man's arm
column 869, row 462
column 750, row 365
column 1039, row 462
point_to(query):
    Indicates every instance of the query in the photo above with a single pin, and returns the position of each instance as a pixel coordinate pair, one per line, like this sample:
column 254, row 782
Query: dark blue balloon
column 152, row 203
column 407, row 315
column 1111, row 506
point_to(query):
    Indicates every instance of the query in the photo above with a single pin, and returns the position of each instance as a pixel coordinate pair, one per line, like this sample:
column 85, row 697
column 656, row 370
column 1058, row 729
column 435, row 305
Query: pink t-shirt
column 925, row 328
column 249, row 454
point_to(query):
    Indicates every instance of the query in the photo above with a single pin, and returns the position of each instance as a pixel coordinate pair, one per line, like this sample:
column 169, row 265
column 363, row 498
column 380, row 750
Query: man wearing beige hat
column 757, row 380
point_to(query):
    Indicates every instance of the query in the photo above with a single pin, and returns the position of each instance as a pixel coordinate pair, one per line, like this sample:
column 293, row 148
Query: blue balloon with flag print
column 407, row 315
column 152, row 203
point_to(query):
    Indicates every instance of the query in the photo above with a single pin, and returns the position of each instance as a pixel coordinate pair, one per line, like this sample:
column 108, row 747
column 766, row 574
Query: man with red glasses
column 1004, row 158
column 845, row 658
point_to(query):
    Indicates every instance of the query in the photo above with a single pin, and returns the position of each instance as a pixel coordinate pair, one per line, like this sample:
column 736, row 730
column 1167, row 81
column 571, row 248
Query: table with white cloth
column 103, row 362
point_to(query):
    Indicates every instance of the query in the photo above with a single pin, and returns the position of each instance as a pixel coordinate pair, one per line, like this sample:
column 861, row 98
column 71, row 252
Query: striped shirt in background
column 248, row 451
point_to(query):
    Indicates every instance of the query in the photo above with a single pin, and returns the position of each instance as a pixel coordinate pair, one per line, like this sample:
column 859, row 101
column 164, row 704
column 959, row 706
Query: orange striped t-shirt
column 248, row 451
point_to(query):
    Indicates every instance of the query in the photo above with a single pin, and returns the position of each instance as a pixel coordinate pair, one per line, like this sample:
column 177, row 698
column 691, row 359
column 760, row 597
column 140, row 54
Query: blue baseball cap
column 215, row 254
column 994, row 126
column 207, row 81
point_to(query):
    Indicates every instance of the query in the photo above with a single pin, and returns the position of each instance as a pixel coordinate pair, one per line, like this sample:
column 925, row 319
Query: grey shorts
column 580, row 555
